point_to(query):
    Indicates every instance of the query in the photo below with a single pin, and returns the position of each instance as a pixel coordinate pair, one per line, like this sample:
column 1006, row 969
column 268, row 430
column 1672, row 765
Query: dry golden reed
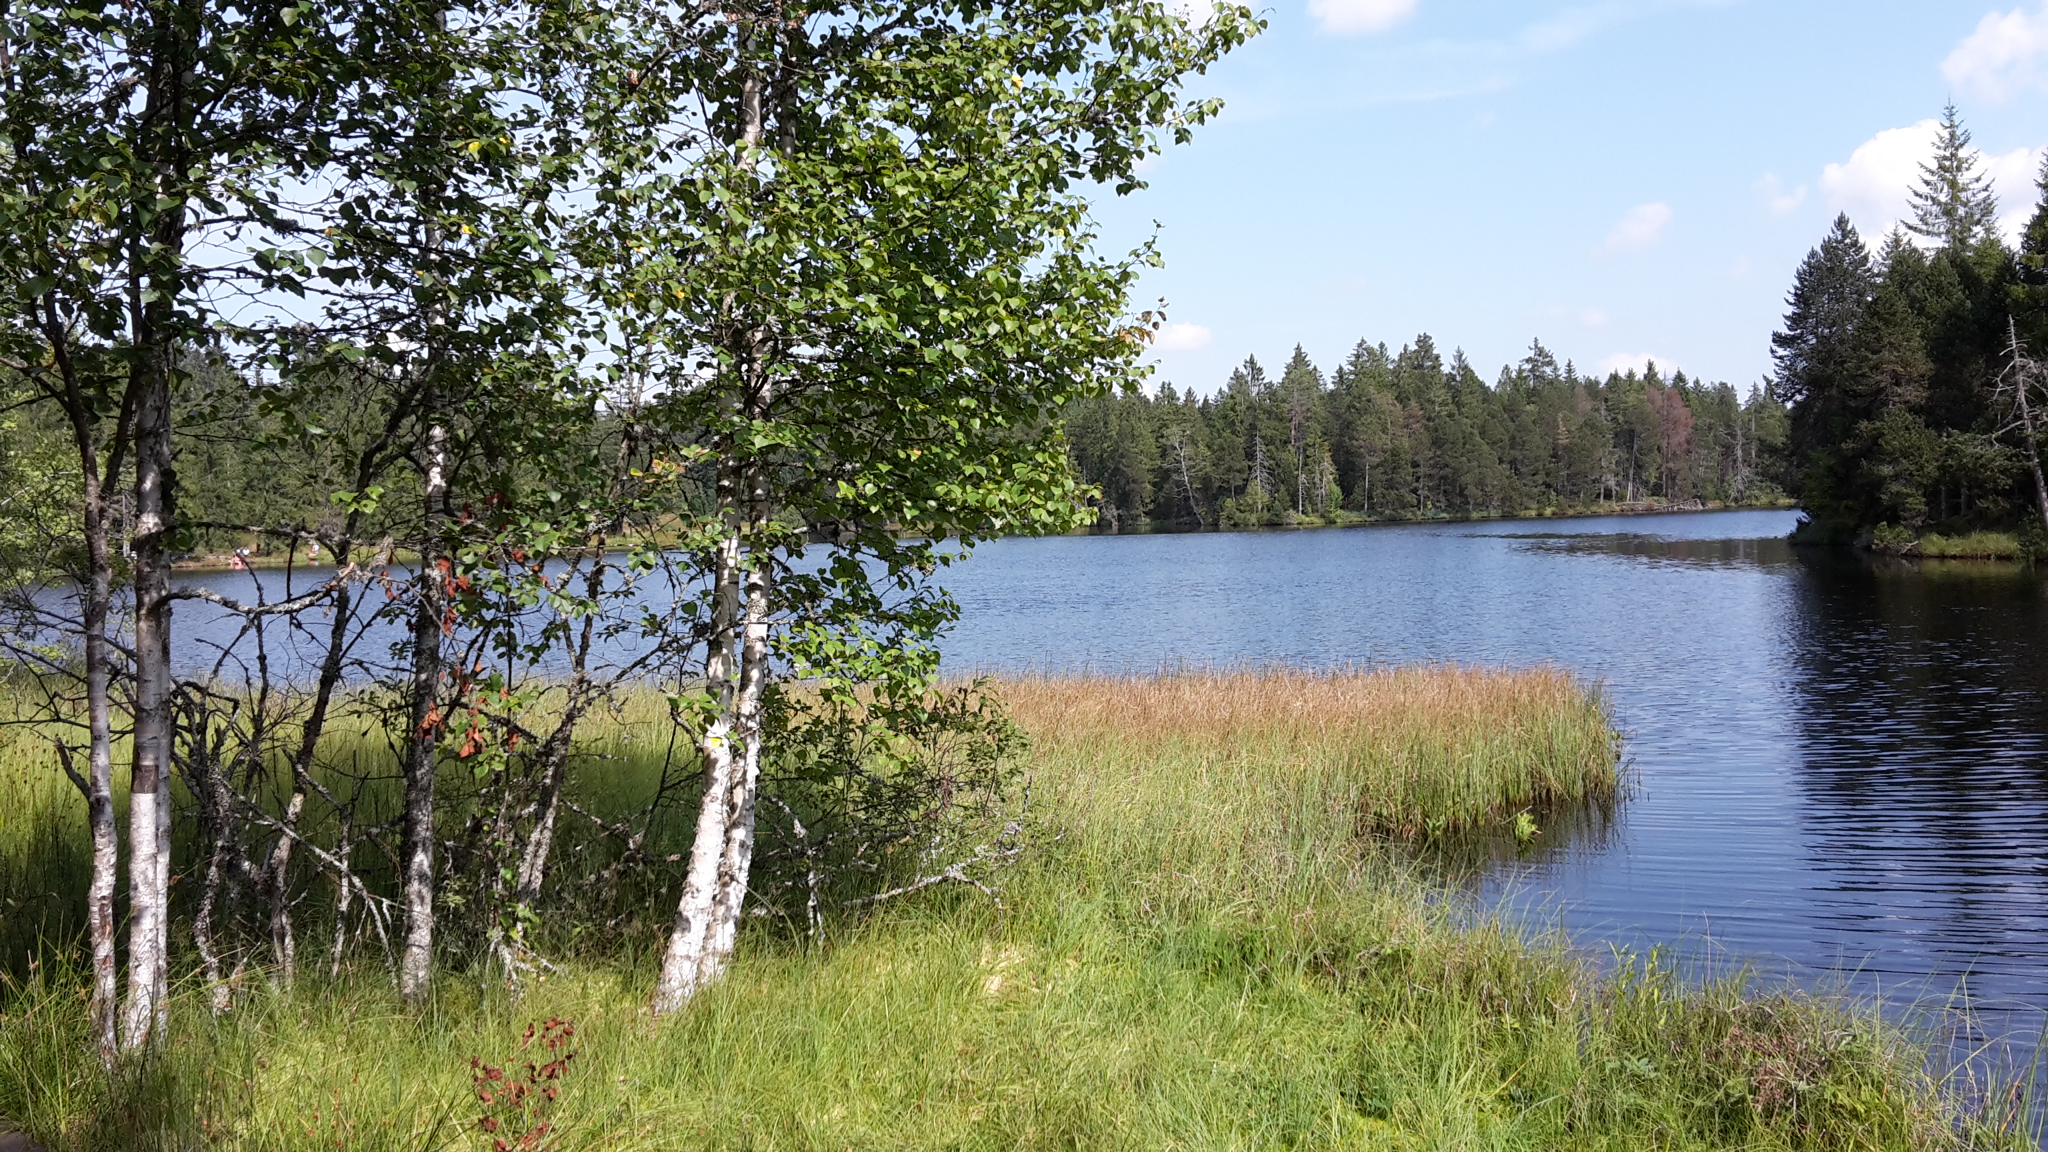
column 1429, row 749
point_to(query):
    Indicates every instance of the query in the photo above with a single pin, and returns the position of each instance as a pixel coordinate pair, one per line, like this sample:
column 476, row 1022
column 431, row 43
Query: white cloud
column 1874, row 186
column 1182, row 338
column 1642, row 227
column 1350, row 17
column 2004, row 56
column 2013, row 175
column 1774, row 194
column 1635, row 362
column 1593, row 317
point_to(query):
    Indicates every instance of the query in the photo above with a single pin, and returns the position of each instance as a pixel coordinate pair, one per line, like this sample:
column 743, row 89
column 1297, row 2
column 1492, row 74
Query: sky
column 1623, row 180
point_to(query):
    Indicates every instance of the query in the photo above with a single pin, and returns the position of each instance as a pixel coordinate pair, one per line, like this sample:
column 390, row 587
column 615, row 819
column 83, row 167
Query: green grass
column 1974, row 546
column 1213, row 949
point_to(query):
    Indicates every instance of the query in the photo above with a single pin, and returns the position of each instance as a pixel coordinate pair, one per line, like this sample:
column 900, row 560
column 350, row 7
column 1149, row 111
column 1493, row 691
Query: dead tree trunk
column 2024, row 373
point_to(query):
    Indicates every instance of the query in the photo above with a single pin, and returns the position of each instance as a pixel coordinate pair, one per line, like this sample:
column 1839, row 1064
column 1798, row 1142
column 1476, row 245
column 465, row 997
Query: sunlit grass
column 1213, row 947
column 1974, row 545
column 1406, row 750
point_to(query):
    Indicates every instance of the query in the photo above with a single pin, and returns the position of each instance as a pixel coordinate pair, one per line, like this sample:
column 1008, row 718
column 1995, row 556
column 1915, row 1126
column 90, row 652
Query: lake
column 1841, row 765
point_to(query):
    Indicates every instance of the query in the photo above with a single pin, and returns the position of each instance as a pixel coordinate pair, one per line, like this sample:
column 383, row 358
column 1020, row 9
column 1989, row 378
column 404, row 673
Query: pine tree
column 1954, row 203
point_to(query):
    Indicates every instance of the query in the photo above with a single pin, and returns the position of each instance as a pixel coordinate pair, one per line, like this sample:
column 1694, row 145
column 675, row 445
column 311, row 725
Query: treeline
column 1912, row 408
column 1404, row 435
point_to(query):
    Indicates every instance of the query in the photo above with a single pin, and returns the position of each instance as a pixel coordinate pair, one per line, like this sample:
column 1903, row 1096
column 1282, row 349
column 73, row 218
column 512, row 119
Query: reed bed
column 1212, row 948
column 1414, row 750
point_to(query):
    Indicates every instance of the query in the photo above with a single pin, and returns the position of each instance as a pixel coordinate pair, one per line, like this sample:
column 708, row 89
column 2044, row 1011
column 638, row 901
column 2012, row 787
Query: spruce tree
column 1954, row 204
column 1828, row 295
column 2030, row 294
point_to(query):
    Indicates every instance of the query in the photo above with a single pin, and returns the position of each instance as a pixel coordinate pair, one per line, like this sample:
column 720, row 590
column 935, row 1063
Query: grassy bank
column 1972, row 546
column 1894, row 540
column 1213, row 949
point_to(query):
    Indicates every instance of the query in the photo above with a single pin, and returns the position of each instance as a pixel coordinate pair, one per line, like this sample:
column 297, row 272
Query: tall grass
column 1407, row 750
column 1212, row 948
column 45, row 851
column 1972, row 545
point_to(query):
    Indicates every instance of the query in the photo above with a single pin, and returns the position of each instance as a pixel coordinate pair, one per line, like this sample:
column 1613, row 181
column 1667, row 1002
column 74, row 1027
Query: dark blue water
column 1842, row 767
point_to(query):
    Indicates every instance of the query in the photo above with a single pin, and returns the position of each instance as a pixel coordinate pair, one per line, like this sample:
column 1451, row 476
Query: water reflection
column 1657, row 549
column 1922, row 722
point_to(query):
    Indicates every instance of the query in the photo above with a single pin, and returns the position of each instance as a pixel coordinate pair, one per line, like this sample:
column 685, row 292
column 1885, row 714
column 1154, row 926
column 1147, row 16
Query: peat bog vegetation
column 1217, row 939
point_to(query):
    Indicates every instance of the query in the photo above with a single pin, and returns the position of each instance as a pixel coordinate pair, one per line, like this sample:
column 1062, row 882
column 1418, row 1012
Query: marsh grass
column 1410, row 751
column 45, row 851
column 1213, row 947
column 1970, row 546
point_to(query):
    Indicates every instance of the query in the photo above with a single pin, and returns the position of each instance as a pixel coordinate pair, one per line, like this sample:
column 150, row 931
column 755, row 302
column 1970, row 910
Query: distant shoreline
column 1638, row 508
column 221, row 562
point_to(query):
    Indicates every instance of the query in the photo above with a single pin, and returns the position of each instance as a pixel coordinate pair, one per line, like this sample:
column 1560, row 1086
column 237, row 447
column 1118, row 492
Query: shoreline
column 219, row 562
column 1179, row 528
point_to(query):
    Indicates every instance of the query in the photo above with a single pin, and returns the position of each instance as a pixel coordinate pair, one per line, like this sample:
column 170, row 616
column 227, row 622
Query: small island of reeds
column 1217, row 939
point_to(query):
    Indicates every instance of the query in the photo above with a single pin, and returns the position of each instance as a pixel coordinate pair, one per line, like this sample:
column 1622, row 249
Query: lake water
column 1842, row 766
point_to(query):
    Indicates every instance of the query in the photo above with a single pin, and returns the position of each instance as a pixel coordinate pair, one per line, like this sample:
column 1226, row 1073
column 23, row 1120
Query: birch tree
column 175, row 172
column 849, row 243
column 129, row 130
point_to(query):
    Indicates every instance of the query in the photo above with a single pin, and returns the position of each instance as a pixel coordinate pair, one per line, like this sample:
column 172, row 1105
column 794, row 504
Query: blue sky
column 1622, row 180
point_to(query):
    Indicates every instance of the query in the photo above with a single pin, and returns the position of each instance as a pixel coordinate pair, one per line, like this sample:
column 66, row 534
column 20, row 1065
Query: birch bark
column 736, row 663
column 707, row 917
column 98, row 593
column 149, row 799
column 417, row 853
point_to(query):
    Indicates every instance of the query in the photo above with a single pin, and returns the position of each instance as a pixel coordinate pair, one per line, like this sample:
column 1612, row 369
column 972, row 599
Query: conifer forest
column 1905, row 400
column 1406, row 436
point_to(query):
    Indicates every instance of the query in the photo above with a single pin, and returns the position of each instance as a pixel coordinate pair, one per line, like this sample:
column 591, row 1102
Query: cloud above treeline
column 1875, row 184
column 1638, row 362
column 1181, row 338
column 2005, row 56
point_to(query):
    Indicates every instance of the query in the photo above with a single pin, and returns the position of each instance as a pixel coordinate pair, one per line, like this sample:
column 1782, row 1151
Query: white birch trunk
column 722, row 851
column 99, row 790
column 98, row 782
column 149, row 815
column 721, row 854
column 684, row 966
column 415, row 960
